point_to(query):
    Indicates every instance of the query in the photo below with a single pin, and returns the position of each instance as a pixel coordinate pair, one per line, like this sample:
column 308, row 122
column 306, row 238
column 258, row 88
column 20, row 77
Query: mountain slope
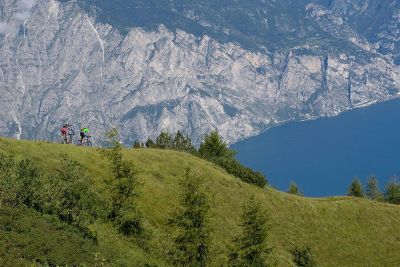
column 89, row 63
column 342, row 231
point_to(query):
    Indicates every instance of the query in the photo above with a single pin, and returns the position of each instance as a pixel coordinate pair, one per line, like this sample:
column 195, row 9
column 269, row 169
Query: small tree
column 392, row 194
column 183, row 143
column 294, row 189
column 372, row 189
column 213, row 146
column 149, row 143
column 191, row 239
column 124, row 191
column 302, row 256
column 164, row 141
column 137, row 144
column 112, row 137
column 250, row 247
column 356, row 189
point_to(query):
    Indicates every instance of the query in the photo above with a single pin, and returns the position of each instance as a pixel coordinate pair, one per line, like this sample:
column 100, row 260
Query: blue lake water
column 323, row 156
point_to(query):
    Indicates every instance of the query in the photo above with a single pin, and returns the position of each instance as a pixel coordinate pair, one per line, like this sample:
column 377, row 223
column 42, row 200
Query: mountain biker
column 64, row 133
column 70, row 132
column 67, row 131
column 84, row 133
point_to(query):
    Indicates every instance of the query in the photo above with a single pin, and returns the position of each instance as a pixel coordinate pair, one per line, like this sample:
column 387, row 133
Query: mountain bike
column 85, row 141
column 63, row 139
column 67, row 139
column 70, row 138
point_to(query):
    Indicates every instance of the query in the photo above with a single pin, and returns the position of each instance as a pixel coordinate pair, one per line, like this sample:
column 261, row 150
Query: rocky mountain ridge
column 58, row 64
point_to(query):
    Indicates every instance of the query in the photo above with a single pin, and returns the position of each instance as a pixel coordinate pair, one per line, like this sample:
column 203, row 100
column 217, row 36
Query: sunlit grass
column 341, row 231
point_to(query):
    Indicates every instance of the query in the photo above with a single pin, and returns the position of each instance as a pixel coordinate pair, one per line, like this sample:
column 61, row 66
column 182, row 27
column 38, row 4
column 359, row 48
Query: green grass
column 341, row 231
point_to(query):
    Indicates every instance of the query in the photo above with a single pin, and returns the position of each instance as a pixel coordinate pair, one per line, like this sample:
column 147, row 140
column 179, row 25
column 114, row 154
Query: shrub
column 234, row 167
column 30, row 186
column 8, row 181
column 28, row 238
column 70, row 196
column 294, row 189
column 302, row 256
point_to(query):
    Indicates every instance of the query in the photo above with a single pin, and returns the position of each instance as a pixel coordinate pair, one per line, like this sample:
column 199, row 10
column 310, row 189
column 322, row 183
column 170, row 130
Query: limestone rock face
column 59, row 64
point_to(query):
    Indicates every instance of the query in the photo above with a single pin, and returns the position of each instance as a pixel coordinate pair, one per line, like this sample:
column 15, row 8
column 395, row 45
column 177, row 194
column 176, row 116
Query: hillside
column 341, row 231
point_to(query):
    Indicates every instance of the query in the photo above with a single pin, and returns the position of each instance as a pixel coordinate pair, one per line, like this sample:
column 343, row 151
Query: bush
column 29, row 178
column 294, row 189
column 28, row 237
column 234, row 167
column 302, row 256
column 70, row 197
column 8, row 181
column 214, row 149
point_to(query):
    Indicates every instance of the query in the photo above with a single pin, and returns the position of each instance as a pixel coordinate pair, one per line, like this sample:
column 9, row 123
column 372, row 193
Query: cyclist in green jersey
column 84, row 133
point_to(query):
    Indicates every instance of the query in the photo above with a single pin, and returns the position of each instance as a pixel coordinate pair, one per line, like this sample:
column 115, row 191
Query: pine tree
column 294, row 189
column 183, row 143
column 150, row 143
column 137, row 144
column 214, row 146
column 124, row 190
column 372, row 189
column 191, row 239
column 356, row 189
column 250, row 247
column 392, row 194
column 164, row 141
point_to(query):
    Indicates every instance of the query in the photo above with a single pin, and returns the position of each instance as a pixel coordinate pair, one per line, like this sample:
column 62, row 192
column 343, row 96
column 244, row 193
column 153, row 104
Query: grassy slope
column 342, row 231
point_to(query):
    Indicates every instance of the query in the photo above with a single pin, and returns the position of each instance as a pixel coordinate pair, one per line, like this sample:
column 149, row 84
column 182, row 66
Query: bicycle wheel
column 79, row 143
column 88, row 143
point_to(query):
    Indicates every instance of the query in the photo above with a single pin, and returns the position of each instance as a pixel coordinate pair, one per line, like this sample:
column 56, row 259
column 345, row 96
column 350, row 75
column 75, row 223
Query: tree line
column 371, row 190
column 213, row 149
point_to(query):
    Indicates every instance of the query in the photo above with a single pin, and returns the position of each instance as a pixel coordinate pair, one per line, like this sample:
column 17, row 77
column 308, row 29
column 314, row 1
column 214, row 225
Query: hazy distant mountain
column 236, row 66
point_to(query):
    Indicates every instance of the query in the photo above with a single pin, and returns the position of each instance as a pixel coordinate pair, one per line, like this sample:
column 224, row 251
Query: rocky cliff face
column 59, row 64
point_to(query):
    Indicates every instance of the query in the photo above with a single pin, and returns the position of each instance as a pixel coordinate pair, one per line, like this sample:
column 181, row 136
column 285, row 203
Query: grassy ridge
column 341, row 231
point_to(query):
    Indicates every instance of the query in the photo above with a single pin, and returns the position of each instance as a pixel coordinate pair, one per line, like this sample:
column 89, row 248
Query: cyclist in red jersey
column 64, row 133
